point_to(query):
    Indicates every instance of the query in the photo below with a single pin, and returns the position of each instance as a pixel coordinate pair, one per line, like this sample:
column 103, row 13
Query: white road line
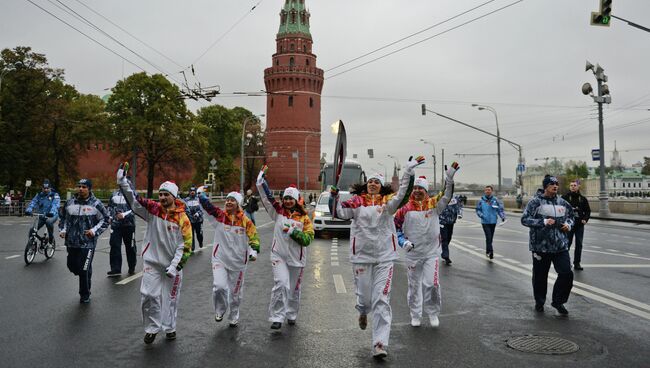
column 576, row 289
column 511, row 260
column 339, row 284
column 613, row 250
column 632, row 254
column 616, row 265
column 266, row 224
column 597, row 247
column 14, row 256
column 335, row 258
column 335, row 263
column 129, row 279
column 201, row 249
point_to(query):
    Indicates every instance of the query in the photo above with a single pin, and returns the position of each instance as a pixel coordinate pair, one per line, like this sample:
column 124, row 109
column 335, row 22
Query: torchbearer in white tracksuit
column 234, row 234
column 167, row 247
column 418, row 231
column 292, row 233
column 373, row 247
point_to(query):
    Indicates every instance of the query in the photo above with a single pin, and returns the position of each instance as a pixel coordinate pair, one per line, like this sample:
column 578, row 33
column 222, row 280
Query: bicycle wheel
column 30, row 251
column 49, row 250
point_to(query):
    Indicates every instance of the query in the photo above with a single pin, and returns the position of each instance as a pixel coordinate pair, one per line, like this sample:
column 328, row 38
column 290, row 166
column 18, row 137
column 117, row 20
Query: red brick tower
column 294, row 84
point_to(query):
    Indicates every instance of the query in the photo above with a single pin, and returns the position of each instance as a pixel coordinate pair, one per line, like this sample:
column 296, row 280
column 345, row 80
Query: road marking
column 613, row 250
column 14, row 256
column 616, row 265
column 511, row 260
column 577, row 289
column 201, row 249
column 335, row 263
column 129, row 279
column 339, row 284
column 264, row 225
column 594, row 246
column 335, row 258
column 632, row 254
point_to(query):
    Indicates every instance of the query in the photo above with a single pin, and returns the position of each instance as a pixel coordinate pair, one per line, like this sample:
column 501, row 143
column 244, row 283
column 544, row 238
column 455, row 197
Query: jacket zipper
column 354, row 245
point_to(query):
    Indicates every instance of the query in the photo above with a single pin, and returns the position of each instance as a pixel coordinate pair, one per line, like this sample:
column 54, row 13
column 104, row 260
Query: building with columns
column 294, row 84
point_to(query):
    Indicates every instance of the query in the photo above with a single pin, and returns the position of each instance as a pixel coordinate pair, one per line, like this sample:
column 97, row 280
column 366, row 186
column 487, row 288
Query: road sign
column 595, row 154
column 521, row 168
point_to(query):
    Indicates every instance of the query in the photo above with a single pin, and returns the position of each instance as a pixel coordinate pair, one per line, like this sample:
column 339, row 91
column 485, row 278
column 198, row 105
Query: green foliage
column 224, row 142
column 45, row 122
column 148, row 113
column 646, row 166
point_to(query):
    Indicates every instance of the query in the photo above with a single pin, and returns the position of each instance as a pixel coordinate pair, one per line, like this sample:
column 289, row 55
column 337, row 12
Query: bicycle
column 38, row 243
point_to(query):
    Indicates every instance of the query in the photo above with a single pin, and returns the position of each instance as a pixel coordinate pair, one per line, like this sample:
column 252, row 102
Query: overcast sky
column 526, row 61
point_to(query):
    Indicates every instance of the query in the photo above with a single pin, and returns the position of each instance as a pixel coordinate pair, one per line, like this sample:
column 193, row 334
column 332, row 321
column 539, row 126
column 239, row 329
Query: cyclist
column 46, row 202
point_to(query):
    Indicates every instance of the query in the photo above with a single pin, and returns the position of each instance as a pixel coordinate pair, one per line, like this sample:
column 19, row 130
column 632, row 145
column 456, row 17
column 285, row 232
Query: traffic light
column 603, row 17
column 424, row 109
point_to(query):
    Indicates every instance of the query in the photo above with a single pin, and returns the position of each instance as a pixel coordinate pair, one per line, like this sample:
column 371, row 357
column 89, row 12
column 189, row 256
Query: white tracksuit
column 233, row 235
column 288, row 256
column 167, row 244
column 418, row 222
column 373, row 249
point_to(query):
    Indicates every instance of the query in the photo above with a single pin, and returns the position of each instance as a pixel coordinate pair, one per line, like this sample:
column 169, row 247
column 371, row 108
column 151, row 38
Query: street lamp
column 304, row 157
column 435, row 184
column 243, row 136
column 491, row 109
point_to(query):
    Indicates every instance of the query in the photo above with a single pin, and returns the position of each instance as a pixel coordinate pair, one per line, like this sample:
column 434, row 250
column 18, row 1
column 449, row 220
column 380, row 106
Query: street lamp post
column 304, row 158
column 435, row 170
column 491, row 109
column 242, row 157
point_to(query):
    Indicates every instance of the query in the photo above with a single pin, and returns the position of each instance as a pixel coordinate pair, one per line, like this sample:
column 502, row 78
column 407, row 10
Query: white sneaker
column 379, row 352
column 434, row 321
column 234, row 323
column 218, row 317
column 415, row 322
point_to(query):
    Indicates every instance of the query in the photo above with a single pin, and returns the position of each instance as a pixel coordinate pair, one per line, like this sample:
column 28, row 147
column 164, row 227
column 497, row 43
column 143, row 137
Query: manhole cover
column 543, row 344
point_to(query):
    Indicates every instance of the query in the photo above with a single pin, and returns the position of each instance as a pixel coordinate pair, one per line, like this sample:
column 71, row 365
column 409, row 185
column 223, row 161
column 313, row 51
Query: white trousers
column 227, row 290
column 424, row 287
column 159, row 299
column 373, row 282
column 285, row 296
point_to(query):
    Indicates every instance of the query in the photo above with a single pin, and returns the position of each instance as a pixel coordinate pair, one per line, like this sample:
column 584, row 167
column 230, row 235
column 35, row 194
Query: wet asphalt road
column 484, row 304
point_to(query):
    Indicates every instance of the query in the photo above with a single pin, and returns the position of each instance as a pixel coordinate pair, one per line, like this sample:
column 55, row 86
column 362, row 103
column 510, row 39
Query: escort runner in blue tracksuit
column 46, row 202
column 550, row 218
column 83, row 219
column 194, row 213
column 122, row 230
column 489, row 209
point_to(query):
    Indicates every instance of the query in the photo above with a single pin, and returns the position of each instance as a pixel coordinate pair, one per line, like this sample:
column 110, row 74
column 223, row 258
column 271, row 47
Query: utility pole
column 442, row 171
column 602, row 97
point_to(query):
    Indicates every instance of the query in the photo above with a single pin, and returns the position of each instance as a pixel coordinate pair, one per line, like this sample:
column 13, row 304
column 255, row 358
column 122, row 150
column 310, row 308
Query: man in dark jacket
column 250, row 205
column 122, row 230
column 550, row 218
column 193, row 211
column 83, row 219
column 453, row 211
column 581, row 213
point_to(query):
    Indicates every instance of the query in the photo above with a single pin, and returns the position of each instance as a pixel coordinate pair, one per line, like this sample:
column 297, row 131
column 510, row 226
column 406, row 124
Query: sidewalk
column 621, row 217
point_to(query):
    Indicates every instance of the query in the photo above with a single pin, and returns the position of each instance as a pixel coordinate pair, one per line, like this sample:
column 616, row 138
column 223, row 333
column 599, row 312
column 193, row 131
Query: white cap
column 169, row 186
column 236, row 196
column 422, row 182
column 292, row 192
column 379, row 177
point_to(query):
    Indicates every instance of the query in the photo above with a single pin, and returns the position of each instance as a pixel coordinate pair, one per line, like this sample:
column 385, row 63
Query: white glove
column 121, row 171
column 503, row 221
column 408, row 246
column 252, row 254
column 260, row 176
column 170, row 271
column 449, row 174
column 200, row 189
column 411, row 164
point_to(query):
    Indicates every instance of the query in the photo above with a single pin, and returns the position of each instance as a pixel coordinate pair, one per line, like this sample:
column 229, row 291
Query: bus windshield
column 352, row 174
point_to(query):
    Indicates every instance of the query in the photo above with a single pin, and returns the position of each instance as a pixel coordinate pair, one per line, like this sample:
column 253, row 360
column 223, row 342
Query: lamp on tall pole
column 242, row 157
column 304, row 158
column 491, row 109
column 435, row 184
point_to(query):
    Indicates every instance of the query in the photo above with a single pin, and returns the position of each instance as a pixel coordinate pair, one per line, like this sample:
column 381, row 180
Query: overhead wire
column 425, row 39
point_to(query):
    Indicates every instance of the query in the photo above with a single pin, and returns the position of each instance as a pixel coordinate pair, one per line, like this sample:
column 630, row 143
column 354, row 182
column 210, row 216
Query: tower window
column 292, row 47
column 311, row 102
column 271, row 101
column 307, row 62
column 277, row 62
column 304, row 48
column 290, row 101
column 292, row 62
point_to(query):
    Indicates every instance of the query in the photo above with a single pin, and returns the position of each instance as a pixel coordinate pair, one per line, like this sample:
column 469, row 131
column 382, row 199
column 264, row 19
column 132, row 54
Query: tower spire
column 294, row 18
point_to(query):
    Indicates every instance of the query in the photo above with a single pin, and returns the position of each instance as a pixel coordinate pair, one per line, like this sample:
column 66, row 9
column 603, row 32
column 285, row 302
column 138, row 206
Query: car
column 323, row 221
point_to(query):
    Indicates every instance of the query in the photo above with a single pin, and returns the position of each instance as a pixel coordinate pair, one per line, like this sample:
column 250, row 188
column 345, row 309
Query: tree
column 224, row 143
column 646, row 166
column 45, row 122
column 147, row 113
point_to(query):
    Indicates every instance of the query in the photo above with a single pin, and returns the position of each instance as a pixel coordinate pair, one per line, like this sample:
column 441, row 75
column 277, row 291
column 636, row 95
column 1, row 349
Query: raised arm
column 449, row 188
column 271, row 206
column 405, row 185
column 216, row 213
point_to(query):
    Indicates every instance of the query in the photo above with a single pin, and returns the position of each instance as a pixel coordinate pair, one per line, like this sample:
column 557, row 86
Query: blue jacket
column 547, row 238
column 79, row 216
column 451, row 212
column 487, row 209
column 45, row 203
column 117, row 204
column 193, row 209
